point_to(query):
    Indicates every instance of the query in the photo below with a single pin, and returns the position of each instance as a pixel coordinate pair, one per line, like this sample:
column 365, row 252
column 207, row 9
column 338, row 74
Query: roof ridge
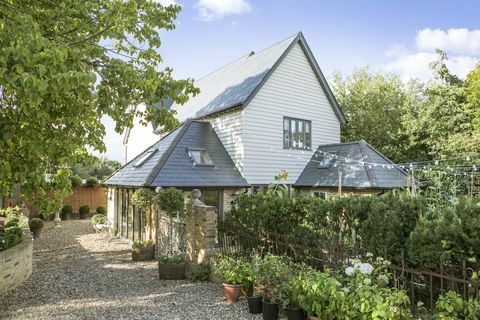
column 246, row 55
column 153, row 173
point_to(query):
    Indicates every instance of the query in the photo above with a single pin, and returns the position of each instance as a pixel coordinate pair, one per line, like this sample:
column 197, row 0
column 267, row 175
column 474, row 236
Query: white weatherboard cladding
column 228, row 127
column 294, row 91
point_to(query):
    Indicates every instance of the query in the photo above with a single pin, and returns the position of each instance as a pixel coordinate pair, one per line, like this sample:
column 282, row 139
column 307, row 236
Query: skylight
column 144, row 158
column 200, row 157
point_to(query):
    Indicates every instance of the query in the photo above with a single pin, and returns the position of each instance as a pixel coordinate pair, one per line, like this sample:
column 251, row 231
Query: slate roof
column 235, row 84
column 171, row 166
column 353, row 176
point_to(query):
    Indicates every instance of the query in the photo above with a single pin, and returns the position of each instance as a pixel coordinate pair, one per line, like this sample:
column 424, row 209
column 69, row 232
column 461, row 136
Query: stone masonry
column 16, row 264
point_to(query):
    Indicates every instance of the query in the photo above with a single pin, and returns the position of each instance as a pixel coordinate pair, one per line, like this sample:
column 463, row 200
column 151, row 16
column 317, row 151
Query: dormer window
column 200, row 157
column 144, row 158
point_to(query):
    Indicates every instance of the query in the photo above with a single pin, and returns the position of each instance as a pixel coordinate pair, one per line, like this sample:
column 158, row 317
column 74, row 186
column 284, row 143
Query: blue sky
column 389, row 36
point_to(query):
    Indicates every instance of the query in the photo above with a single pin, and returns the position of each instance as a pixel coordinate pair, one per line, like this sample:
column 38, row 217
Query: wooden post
column 339, row 181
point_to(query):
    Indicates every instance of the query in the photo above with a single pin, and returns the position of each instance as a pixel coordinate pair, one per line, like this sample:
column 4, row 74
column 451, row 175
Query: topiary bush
column 36, row 223
column 67, row 209
column 92, row 182
column 85, row 209
column 143, row 197
column 101, row 210
column 98, row 219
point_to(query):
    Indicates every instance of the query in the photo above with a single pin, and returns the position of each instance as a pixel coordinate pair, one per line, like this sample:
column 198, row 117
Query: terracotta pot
column 143, row 254
column 232, row 292
column 171, row 271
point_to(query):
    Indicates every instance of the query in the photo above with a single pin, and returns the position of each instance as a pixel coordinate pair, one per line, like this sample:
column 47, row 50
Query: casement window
column 321, row 195
column 297, row 133
column 200, row 157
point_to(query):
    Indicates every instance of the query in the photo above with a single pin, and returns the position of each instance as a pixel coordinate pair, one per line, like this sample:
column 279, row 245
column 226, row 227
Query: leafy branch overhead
column 66, row 64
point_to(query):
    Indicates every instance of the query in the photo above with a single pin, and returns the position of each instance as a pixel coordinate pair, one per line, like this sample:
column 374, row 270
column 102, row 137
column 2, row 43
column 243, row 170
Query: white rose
column 349, row 271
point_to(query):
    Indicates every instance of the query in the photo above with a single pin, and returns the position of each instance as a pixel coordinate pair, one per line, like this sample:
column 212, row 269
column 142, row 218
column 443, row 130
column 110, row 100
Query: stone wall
column 16, row 264
column 200, row 233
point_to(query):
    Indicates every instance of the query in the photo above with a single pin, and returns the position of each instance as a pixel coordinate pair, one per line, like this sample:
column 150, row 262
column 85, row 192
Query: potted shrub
column 172, row 267
column 98, row 221
column 235, row 273
column 101, row 210
column 36, row 226
column 66, row 212
column 84, row 211
column 254, row 298
column 142, row 250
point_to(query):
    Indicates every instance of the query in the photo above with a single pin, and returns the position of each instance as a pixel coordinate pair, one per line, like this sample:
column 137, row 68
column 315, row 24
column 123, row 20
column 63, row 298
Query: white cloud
column 209, row 10
column 417, row 65
column 167, row 2
column 461, row 45
column 458, row 41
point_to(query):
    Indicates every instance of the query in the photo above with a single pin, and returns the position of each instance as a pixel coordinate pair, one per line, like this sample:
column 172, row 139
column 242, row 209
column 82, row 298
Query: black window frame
column 307, row 143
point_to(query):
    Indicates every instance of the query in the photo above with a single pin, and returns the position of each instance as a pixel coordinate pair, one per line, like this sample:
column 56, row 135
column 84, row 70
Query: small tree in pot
column 84, row 211
column 36, row 226
column 170, row 201
column 66, row 212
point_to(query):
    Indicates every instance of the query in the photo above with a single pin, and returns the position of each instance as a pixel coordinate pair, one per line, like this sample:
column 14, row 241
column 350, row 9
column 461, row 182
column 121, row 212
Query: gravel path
column 78, row 274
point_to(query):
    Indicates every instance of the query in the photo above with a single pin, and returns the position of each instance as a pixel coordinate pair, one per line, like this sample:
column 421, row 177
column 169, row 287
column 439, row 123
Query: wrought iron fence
column 422, row 285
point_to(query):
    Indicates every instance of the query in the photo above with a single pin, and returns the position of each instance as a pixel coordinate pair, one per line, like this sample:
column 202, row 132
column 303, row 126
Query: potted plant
column 171, row 267
column 254, row 298
column 66, row 212
column 98, row 221
column 142, row 250
column 289, row 292
column 101, row 210
column 235, row 273
column 36, row 226
column 84, row 211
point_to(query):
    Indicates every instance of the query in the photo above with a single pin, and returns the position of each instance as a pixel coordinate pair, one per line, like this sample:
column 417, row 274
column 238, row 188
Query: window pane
column 286, row 132
column 300, row 136
column 308, row 134
column 200, row 157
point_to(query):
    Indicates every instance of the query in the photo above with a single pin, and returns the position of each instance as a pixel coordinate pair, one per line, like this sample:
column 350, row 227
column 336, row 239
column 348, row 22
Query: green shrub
column 92, row 182
column 85, row 209
column 142, row 244
column 143, row 197
column 98, row 219
column 173, row 258
column 232, row 270
column 76, row 181
column 451, row 306
column 101, row 210
column 67, row 209
column 36, row 223
column 199, row 272
column 170, row 200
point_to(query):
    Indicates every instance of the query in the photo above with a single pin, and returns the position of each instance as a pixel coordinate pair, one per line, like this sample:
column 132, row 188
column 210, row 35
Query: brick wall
column 16, row 264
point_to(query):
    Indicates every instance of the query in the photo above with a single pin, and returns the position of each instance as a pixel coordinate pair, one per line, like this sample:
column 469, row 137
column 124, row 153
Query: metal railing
column 422, row 285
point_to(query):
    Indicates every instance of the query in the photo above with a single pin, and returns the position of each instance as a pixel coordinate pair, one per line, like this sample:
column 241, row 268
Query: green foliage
column 198, row 272
column 49, row 197
column 35, row 223
column 278, row 187
column 170, row 200
column 66, row 65
column 96, row 167
column 11, row 211
column 101, row 210
column 451, row 306
column 172, row 258
column 142, row 244
column 67, row 209
column 13, row 234
column 92, row 182
column 85, row 209
column 232, row 270
column 143, row 197
column 98, row 219
column 76, row 181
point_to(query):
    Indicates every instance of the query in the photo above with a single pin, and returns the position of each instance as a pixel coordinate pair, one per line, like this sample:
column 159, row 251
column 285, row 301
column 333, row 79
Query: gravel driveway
column 78, row 274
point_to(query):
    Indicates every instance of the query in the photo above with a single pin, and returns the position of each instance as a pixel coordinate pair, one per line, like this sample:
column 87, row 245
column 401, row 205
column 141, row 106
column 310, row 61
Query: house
column 367, row 171
column 263, row 113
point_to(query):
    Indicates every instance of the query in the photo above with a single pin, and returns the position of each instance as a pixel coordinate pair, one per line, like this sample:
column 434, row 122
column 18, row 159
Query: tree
column 97, row 167
column 64, row 65
column 375, row 105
